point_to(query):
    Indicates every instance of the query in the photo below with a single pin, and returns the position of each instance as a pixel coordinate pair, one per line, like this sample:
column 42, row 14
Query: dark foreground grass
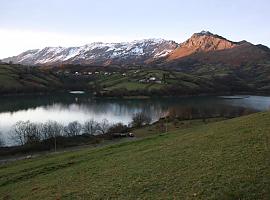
column 221, row 160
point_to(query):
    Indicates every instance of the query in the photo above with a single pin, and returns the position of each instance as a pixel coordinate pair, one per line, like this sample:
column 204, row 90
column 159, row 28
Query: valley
column 149, row 119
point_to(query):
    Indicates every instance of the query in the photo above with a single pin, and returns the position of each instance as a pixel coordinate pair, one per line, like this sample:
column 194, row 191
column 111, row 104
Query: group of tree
column 26, row 132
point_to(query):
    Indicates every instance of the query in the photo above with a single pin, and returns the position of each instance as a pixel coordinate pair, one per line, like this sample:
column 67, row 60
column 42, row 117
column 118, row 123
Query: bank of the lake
column 220, row 160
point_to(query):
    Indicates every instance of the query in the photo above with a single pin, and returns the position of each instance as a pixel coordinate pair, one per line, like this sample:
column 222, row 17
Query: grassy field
column 221, row 160
column 131, row 82
column 19, row 79
column 140, row 81
column 171, row 125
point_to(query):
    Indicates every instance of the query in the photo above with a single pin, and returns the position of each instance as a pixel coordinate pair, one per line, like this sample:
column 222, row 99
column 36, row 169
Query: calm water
column 81, row 107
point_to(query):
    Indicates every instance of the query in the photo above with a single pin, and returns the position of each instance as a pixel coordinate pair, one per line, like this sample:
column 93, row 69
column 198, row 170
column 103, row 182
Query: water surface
column 81, row 107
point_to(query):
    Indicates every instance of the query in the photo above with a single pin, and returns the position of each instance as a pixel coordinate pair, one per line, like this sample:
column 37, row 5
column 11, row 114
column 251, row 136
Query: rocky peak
column 207, row 41
column 202, row 33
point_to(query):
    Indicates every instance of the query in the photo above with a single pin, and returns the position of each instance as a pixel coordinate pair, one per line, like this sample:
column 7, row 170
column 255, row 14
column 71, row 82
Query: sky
column 34, row 24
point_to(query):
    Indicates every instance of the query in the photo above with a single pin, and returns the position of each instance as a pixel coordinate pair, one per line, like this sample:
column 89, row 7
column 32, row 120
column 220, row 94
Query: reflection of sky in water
column 113, row 110
column 256, row 102
column 64, row 114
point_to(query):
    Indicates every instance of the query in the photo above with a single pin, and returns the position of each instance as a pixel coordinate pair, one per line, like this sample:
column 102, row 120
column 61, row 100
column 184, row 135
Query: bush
column 140, row 119
column 118, row 128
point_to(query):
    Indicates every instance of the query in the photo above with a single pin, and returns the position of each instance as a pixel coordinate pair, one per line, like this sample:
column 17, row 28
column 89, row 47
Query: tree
column 25, row 132
column 73, row 129
column 33, row 132
column 2, row 142
column 51, row 129
column 90, row 127
column 140, row 119
column 103, row 126
column 18, row 132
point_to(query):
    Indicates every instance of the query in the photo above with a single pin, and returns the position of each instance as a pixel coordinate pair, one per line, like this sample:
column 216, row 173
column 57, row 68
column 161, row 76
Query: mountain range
column 201, row 48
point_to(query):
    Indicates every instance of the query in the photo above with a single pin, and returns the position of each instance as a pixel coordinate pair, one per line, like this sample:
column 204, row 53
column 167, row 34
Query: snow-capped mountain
column 136, row 52
column 203, row 47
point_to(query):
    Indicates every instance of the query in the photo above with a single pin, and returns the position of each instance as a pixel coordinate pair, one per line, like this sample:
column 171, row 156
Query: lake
column 66, row 108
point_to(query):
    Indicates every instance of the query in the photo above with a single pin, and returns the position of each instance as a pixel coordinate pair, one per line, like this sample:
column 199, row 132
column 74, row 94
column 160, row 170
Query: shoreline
column 91, row 93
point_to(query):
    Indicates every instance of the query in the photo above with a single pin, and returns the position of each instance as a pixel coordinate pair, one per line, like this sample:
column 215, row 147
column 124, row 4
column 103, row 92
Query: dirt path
column 69, row 149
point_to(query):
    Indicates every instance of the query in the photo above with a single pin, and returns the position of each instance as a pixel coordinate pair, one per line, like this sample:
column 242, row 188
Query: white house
column 152, row 79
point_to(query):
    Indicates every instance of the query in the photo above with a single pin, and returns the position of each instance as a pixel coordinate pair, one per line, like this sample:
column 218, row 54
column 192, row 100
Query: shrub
column 140, row 119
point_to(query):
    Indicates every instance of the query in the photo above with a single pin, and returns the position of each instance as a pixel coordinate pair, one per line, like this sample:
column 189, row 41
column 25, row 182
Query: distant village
column 151, row 79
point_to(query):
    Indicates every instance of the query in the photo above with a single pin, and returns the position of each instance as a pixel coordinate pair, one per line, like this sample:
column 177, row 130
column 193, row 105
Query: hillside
column 221, row 160
column 20, row 79
column 203, row 79
column 207, row 48
column 201, row 42
column 206, row 80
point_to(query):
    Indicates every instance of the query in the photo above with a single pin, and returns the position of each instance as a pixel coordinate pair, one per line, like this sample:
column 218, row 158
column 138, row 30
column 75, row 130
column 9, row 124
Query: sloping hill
column 19, row 79
column 223, row 160
column 242, row 54
column 201, row 42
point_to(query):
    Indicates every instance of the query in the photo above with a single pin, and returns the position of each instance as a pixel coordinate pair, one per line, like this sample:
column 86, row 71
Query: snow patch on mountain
column 138, row 51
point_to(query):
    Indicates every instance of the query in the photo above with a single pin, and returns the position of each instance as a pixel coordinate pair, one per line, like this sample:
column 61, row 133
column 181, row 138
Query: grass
column 15, row 79
column 183, row 83
column 128, row 85
column 131, row 82
column 174, row 125
column 206, row 79
column 221, row 160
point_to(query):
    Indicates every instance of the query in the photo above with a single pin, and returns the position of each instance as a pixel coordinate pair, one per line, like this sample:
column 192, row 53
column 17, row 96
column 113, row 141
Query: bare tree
column 33, row 132
column 73, row 129
column 51, row 129
column 18, row 132
column 2, row 142
column 25, row 132
column 103, row 126
column 90, row 127
column 140, row 119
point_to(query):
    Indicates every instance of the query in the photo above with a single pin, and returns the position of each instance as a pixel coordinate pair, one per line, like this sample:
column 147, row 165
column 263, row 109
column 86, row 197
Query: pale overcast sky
column 31, row 24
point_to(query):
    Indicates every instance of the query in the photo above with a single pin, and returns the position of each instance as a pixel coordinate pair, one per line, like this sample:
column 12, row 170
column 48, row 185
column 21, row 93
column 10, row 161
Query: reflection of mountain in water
column 112, row 110
column 65, row 108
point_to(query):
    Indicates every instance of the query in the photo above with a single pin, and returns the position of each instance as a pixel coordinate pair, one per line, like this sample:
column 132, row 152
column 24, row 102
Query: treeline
column 172, row 90
column 28, row 133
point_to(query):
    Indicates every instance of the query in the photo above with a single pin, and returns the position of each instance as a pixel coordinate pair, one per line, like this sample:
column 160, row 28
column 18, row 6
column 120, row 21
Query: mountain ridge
column 197, row 48
column 140, row 51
